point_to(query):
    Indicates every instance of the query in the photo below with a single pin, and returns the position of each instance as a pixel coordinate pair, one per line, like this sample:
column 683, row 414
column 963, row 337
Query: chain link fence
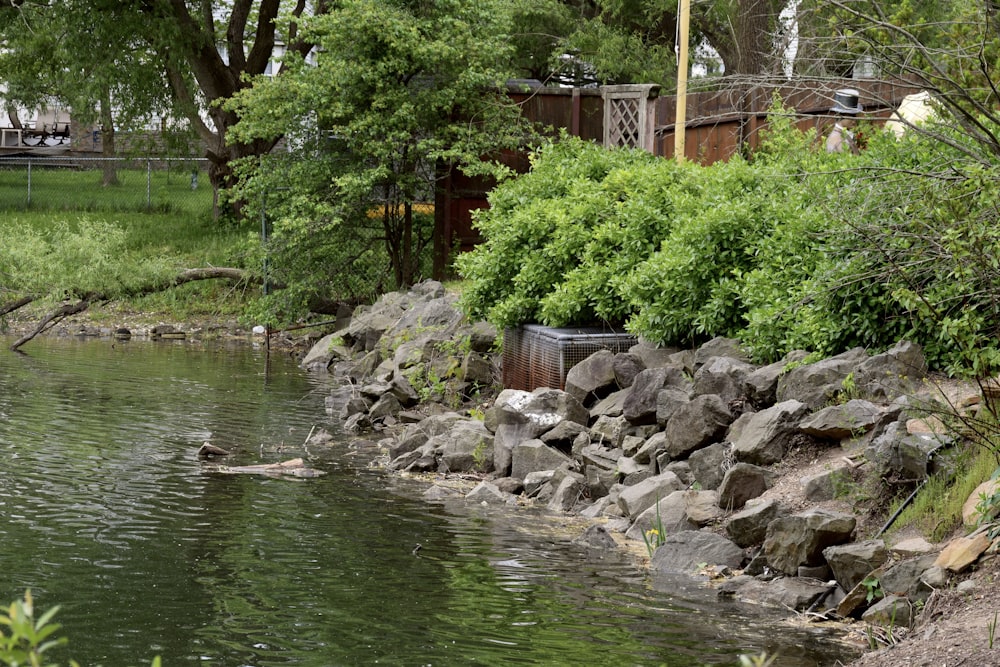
column 168, row 185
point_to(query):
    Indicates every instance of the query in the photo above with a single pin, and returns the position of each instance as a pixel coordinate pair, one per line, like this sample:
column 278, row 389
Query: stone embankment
column 688, row 452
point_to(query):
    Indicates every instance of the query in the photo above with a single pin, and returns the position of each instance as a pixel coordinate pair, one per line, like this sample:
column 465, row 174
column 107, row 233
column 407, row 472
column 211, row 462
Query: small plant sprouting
column 992, row 628
column 762, row 660
column 655, row 536
column 873, row 588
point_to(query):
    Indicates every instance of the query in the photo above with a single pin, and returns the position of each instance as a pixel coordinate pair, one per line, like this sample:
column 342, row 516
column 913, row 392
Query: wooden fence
column 719, row 125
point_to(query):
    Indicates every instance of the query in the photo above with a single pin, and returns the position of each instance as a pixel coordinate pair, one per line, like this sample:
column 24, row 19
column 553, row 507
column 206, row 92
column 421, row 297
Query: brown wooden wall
column 719, row 124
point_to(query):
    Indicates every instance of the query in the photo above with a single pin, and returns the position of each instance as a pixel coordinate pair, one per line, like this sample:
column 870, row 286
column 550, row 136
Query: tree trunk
column 108, row 151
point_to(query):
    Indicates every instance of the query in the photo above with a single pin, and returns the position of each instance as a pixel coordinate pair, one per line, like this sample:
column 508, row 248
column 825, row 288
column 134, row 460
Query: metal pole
column 682, row 75
column 264, row 286
column 29, row 182
column 149, row 185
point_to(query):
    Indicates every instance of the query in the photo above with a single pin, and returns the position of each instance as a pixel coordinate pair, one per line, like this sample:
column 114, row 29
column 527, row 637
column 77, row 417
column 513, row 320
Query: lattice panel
column 626, row 124
column 629, row 116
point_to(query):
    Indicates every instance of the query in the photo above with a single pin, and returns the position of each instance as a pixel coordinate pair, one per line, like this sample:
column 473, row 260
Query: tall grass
column 183, row 234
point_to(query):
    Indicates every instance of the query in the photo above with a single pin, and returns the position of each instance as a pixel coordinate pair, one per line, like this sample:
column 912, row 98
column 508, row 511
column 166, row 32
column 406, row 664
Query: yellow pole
column 682, row 77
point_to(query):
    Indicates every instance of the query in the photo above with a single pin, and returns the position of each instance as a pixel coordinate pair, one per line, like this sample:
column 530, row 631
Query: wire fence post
column 149, row 185
column 29, row 182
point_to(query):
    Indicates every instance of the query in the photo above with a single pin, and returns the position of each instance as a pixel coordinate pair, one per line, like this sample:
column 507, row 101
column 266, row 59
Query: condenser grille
column 538, row 356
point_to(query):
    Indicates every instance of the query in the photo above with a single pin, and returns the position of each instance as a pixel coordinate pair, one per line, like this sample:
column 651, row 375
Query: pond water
column 106, row 511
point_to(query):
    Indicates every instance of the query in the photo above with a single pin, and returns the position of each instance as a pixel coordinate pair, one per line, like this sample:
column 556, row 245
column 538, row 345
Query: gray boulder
column 895, row 372
column 609, row 431
column 851, row 563
column 487, row 493
column 766, row 436
column 522, row 415
column 640, row 404
column 748, row 527
column 838, row 422
column 627, row 366
column 723, row 376
column 785, row 592
column 593, row 378
column 761, row 386
column 819, row 383
column 741, row 483
column 799, row 539
column 696, row 424
column 900, row 453
column 636, row 499
column 612, row 405
column 667, row 516
column 707, row 465
column 719, row 347
column 687, row 550
column 668, row 401
column 535, row 456
column 468, row 447
column 568, row 492
column 326, row 351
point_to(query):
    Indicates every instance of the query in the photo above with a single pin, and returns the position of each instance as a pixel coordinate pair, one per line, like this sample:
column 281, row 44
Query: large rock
column 761, row 385
column 468, row 447
column 851, row 563
column 627, row 366
column 668, row 401
column 766, row 436
column 906, row 578
column 895, row 372
column 568, row 492
column 687, row 550
column 838, row 422
column 743, row 482
column 640, row 405
column 819, row 383
column 908, row 456
column 748, row 527
column 667, row 516
column 522, row 415
column 535, row 456
column 723, row 376
column 636, row 499
column 785, row 592
column 697, row 423
column 326, row 351
column 719, row 347
column 593, row 378
column 707, row 465
column 799, row 539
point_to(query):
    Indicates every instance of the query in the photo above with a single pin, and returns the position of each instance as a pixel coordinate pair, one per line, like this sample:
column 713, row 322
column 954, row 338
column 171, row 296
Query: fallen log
column 292, row 467
column 185, row 276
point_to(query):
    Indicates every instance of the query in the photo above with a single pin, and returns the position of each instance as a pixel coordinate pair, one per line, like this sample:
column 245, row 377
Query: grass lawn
column 183, row 233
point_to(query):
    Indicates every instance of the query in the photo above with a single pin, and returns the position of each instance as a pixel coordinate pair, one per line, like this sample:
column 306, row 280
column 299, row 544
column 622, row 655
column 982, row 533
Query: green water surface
column 106, row 511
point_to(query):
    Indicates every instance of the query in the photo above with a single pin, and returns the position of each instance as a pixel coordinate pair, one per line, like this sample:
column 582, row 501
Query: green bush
column 794, row 249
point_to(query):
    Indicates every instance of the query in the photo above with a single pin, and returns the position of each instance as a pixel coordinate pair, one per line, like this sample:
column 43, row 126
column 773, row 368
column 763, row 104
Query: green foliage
column 399, row 93
column 24, row 639
column 873, row 588
column 86, row 258
column 559, row 238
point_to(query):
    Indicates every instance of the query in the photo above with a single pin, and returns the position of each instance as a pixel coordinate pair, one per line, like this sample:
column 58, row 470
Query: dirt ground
column 953, row 629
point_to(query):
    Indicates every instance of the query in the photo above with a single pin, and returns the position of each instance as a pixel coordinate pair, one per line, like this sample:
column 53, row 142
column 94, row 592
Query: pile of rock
column 677, row 448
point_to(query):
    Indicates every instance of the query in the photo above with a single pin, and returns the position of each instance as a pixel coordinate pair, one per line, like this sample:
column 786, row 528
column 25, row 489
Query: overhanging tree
column 400, row 92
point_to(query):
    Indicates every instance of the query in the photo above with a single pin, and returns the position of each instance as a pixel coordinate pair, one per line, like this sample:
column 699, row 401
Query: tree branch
column 186, row 276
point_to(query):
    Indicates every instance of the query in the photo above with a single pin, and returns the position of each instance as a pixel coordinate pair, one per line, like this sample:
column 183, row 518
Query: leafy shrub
column 796, row 248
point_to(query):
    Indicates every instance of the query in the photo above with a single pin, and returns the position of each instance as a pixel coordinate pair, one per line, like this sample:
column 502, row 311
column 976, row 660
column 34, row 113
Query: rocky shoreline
column 726, row 471
column 699, row 462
